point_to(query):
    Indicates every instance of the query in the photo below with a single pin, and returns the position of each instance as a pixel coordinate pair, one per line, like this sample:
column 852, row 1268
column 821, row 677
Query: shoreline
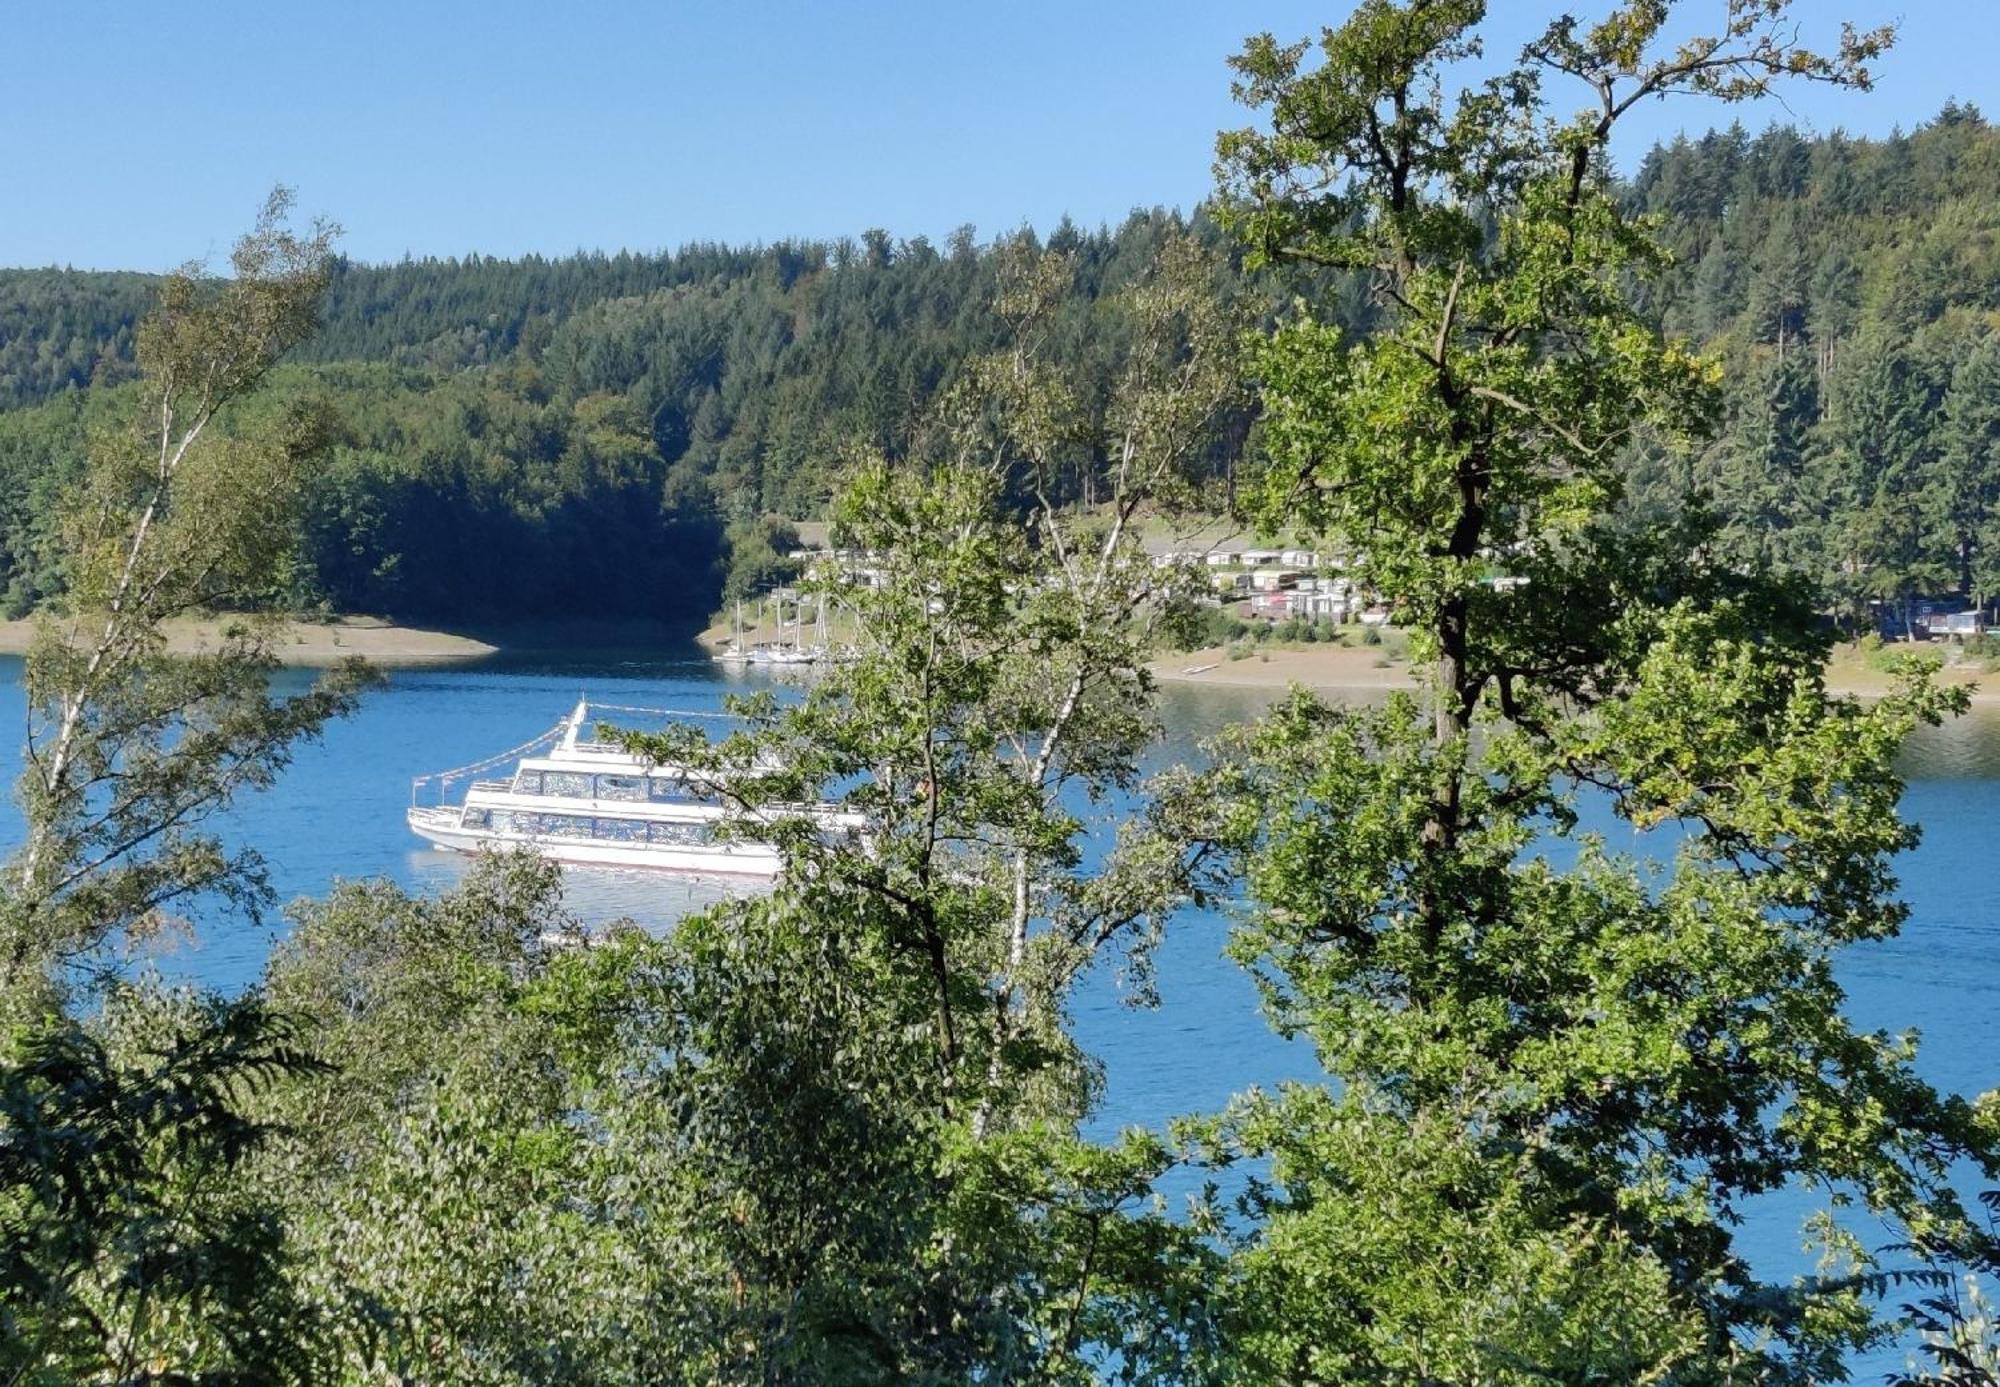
column 1320, row 668
column 1351, row 669
column 317, row 644
column 307, row 643
column 1327, row 669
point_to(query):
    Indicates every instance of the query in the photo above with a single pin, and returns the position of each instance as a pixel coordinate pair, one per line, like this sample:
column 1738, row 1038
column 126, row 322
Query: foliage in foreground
column 133, row 1248
column 1558, row 1072
column 836, row 1133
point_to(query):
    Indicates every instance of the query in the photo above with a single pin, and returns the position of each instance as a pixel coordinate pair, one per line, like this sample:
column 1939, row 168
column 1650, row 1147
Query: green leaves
column 874, row 1066
column 1441, row 1253
column 135, row 1245
column 130, row 749
column 126, row 1237
column 1551, row 1068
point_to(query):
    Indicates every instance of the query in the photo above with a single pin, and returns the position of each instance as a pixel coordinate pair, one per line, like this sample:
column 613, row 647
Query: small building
column 1321, row 605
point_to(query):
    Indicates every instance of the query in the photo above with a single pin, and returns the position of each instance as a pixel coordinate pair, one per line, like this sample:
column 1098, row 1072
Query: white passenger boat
column 592, row 802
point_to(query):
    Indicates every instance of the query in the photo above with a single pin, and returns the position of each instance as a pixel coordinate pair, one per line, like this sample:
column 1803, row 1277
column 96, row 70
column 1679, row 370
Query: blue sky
column 137, row 134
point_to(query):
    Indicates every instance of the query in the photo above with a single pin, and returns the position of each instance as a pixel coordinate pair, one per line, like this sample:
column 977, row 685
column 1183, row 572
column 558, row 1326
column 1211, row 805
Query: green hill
column 601, row 421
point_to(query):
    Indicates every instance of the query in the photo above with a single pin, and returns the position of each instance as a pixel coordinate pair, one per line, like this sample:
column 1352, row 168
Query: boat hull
column 712, row 859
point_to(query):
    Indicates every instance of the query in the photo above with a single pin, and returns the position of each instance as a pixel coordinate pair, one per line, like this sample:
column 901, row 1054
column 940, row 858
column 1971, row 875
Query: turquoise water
column 338, row 813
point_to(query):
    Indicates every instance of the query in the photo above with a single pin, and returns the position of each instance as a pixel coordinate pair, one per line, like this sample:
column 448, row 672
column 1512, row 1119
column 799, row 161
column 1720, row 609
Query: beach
column 1324, row 668
column 1330, row 668
column 309, row 643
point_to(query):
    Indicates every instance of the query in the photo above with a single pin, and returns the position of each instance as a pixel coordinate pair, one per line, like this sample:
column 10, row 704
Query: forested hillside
column 536, row 437
column 604, row 420
column 1851, row 287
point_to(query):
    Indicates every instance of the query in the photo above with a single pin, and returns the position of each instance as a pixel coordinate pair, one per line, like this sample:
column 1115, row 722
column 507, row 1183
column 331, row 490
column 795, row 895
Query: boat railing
column 563, row 736
column 493, row 786
column 442, row 779
column 599, row 750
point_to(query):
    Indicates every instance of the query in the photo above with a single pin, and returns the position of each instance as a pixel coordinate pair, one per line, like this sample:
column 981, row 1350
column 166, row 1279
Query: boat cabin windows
column 620, row 830
column 543, row 825
column 625, row 787
column 562, row 826
column 599, row 828
column 563, row 784
column 632, row 789
column 566, row 784
column 672, row 789
column 476, row 818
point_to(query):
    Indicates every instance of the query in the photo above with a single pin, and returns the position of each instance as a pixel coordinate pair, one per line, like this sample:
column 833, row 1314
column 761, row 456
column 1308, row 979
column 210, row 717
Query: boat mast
column 574, row 729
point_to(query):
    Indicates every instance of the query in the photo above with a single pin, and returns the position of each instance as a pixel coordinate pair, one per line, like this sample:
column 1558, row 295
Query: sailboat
column 734, row 653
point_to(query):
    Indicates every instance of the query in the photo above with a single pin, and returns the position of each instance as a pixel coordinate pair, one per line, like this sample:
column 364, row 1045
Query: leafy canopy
column 1555, row 1067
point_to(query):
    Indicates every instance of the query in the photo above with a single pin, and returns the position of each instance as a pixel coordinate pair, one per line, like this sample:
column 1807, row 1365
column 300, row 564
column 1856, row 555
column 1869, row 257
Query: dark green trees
column 463, row 385
column 1969, row 447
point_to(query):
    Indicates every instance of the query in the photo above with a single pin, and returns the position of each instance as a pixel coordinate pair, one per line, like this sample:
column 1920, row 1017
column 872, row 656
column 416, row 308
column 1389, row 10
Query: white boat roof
column 572, row 755
column 655, row 812
column 611, row 762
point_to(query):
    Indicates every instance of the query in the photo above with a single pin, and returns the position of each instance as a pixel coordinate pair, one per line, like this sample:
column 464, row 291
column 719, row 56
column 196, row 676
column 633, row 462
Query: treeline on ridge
column 538, row 436
column 1851, row 289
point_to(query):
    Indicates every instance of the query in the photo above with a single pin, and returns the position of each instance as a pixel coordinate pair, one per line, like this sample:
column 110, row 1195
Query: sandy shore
column 1351, row 669
column 1356, row 669
column 1323, row 668
column 312, row 643
column 1849, row 673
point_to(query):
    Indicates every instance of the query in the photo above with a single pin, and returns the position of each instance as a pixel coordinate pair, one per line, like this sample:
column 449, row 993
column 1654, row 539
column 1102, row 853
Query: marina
column 789, row 649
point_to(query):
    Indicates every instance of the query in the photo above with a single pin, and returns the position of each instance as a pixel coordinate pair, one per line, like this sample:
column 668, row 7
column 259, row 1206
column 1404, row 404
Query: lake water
column 338, row 813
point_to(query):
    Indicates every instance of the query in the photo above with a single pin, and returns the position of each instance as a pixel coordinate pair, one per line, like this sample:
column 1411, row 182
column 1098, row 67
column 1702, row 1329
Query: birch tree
column 133, row 748
column 132, row 1246
column 997, row 696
